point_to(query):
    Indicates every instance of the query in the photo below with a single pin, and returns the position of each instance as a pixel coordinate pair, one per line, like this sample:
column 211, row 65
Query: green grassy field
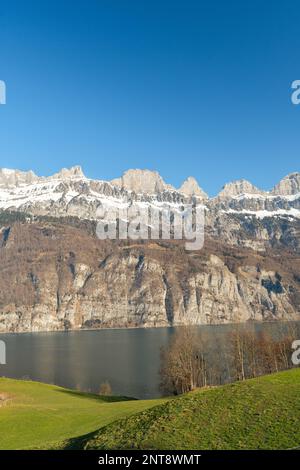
column 36, row 415
column 262, row 413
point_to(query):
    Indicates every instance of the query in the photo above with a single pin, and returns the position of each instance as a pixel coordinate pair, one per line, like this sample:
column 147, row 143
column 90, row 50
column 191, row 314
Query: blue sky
column 183, row 87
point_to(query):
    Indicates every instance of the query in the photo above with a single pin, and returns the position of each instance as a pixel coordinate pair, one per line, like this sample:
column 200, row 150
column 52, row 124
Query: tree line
column 192, row 360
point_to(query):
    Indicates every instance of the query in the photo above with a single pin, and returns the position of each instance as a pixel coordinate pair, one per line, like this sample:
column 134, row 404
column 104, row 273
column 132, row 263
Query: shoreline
column 118, row 328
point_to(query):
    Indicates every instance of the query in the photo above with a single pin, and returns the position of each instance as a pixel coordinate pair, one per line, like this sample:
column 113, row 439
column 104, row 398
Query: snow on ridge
column 7, row 171
column 262, row 214
column 266, row 195
column 74, row 190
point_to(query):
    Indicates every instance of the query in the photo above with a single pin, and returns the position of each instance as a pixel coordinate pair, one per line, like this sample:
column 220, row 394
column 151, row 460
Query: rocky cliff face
column 239, row 188
column 142, row 181
column 190, row 188
column 70, row 193
column 13, row 178
column 290, row 185
column 56, row 274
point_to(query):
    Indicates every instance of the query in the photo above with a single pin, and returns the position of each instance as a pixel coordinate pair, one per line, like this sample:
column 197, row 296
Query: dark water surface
column 128, row 359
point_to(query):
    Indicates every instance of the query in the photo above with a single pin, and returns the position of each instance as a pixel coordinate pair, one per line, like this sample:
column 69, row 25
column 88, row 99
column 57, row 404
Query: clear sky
column 187, row 87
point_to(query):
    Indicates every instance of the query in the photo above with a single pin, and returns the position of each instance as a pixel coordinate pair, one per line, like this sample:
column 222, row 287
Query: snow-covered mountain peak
column 70, row 193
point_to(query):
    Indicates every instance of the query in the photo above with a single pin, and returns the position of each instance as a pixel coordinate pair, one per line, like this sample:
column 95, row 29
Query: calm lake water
column 128, row 359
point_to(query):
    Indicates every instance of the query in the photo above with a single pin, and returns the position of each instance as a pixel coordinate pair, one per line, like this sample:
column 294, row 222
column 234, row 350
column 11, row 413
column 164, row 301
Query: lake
column 129, row 359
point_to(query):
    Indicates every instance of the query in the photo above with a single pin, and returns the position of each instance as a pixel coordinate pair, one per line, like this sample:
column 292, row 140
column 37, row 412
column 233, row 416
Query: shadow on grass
column 92, row 396
column 78, row 443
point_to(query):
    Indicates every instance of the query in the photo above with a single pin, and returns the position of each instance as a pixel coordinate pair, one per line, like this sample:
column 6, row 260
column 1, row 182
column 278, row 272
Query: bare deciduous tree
column 105, row 389
column 183, row 362
column 190, row 361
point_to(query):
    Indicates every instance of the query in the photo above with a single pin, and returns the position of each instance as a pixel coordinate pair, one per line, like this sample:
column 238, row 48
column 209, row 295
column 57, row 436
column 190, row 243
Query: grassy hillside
column 262, row 413
column 36, row 415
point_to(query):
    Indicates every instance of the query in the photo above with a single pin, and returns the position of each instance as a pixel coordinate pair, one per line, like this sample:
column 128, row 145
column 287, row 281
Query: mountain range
column 70, row 193
column 55, row 273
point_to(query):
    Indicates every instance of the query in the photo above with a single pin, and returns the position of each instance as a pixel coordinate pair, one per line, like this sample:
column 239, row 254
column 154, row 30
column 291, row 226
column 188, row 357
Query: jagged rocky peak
column 11, row 178
column 142, row 181
column 66, row 173
column 239, row 187
column 190, row 187
column 288, row 186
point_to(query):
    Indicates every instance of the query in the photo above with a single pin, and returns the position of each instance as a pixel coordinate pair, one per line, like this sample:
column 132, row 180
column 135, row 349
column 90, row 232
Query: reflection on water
column 128, row 359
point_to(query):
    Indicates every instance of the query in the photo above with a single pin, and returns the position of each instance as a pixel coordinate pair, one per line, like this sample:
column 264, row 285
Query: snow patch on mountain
column 70, row 192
